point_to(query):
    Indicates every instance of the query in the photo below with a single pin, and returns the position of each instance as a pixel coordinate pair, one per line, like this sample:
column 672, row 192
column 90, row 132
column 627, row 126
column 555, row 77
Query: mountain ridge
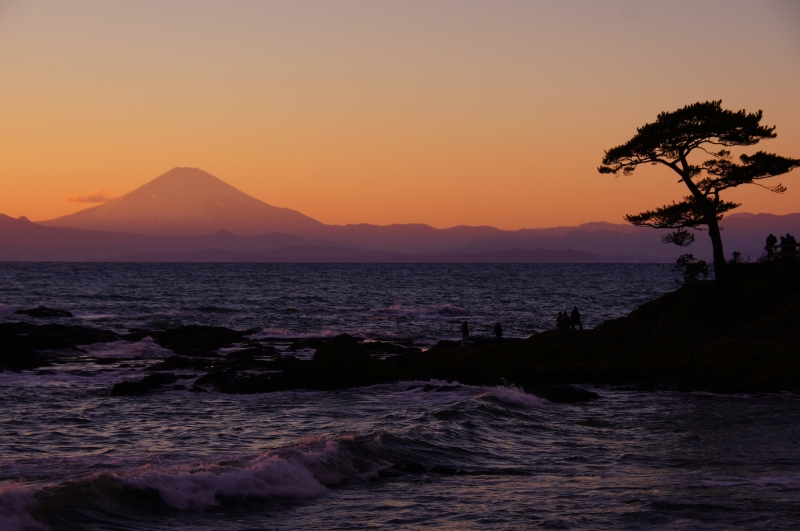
column 187, row 210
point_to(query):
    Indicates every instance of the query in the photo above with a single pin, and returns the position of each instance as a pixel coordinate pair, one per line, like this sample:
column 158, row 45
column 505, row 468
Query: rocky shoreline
column 740, row 336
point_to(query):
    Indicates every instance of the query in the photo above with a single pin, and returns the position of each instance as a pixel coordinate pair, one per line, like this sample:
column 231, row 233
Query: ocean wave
column 300, row 471
column 15, row 509
column 303, row 470
column 514, row 395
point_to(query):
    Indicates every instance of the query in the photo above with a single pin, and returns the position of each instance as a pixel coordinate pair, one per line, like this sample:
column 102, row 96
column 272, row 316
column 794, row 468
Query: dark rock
column 16, row 357
column 135, row 334
column 20, row 342
column 196, row 340
column 43, row 311
column 562, row 394
column 196, row 389
column 217, row 379
column 153, row 381
column 57, row 336
column 446, row 343
column 253, row 350
column 411, row 467
column 343, row 350
column 308, row 342
column 179, row 387
column 174, row 363
column 382, row 347
column 287, row 362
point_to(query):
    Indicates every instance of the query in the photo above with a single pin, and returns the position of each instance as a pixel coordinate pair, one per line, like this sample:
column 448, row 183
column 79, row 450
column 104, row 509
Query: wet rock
column 135, row 334
column 308, row 343
column 175, row 363
column 217, row 379
column 21, row 343
column 196, row 340
column 382, row 347
column 153, row 381
column 562, row 394
column 18, row 357
column 252, row 351
column 446, row 343
column 341, row 351
column 43, row 311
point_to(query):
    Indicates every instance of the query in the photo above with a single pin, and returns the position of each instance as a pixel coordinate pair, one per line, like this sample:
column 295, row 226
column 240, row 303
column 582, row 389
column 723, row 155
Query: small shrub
column 691, row 268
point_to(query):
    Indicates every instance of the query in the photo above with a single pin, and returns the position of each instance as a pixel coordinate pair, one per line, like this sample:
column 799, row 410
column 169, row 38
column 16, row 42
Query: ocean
column 409, row 455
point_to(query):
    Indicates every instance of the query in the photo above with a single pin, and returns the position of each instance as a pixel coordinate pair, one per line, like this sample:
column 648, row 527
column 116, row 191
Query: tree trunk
column 716, row 244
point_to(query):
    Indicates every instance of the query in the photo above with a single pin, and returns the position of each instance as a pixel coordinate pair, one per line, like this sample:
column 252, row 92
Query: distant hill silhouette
column 189, row 215
column 187, row 201
column 22, row 240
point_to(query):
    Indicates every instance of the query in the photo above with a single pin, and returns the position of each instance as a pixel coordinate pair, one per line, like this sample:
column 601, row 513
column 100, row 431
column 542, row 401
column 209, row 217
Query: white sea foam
column 301, row 471
column 146, row 348
column 15, row 506
column 283, row 333
column 514, row 395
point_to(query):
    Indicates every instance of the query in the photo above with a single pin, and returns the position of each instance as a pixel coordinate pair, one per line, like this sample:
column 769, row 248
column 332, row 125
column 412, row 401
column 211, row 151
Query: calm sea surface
column 402, row 456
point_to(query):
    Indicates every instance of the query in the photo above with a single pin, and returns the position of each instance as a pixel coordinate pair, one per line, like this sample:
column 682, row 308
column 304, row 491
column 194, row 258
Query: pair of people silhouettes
column 497, row 330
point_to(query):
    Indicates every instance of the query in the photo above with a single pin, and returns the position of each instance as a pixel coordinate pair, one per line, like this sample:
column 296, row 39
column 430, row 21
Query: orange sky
column 444, row 113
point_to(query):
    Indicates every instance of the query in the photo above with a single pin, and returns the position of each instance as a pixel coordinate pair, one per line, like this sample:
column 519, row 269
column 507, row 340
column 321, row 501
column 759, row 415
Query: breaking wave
column 515, row 396
column 303, row 470
column 15, row 507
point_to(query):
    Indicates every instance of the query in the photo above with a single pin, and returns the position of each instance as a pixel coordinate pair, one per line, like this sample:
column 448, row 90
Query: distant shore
column 738, row 336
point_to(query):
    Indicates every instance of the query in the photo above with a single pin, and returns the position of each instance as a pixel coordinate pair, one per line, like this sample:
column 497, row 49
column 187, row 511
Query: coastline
column 737, row 336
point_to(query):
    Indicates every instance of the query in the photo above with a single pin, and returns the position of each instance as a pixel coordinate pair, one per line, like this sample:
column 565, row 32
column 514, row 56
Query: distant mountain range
column 188, row 215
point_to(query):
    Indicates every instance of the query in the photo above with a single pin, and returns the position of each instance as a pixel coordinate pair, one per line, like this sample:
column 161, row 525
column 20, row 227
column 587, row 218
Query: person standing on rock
column 559, row 321
column 498, row 333
column 575, row 318
column 464, row 334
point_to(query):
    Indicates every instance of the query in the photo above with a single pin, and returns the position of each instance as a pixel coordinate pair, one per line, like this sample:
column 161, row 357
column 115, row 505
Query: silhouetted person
column 575, row 318
column 785, row 245
column 565, row 321
column 498, row 333
column 771, row 242
column 791, row 243
column 464, row 334
column 560, row 320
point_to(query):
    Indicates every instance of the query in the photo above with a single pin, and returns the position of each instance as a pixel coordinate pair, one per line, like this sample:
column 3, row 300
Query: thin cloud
column 98, row 196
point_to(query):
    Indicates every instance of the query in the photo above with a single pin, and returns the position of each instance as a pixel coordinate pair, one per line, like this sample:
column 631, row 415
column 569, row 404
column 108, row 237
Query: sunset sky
column 439, row 112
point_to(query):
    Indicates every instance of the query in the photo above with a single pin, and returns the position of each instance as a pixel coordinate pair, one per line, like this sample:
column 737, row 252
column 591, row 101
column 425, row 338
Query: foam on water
column 281, row 333
column 146, row 348
column 15, row 506
column 302, row 471
column 514, row 395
